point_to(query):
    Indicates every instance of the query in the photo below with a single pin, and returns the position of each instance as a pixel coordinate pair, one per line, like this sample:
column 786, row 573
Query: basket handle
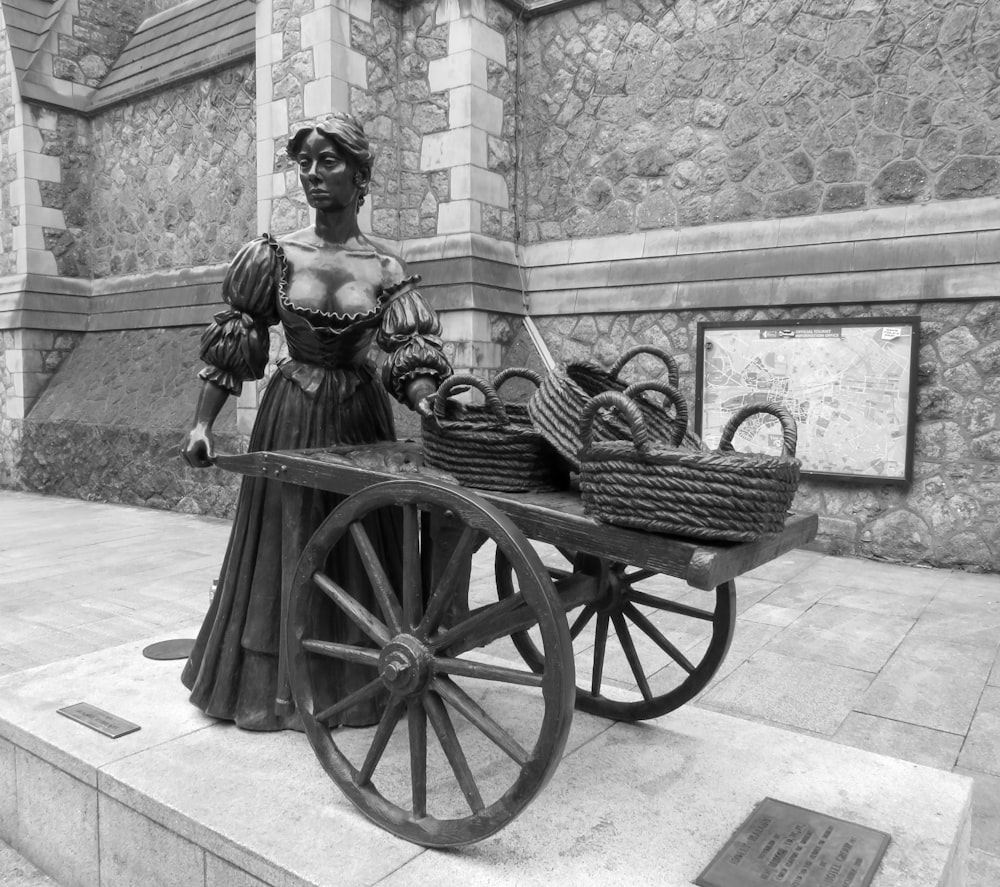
column 493, row 403
column 671, row 396
column 788, row 431
column 629, row 409
column 516, row 373
column 673, row 374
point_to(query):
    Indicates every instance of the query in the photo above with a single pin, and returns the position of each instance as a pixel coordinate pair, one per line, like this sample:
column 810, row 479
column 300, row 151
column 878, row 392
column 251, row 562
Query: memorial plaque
column 784, row 844
column 98, row 719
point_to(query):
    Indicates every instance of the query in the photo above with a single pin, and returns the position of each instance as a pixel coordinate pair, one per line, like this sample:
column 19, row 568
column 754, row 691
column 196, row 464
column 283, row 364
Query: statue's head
column 347, row 135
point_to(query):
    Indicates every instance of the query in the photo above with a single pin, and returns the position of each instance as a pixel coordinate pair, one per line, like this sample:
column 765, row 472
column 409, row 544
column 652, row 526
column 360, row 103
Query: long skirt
column 233, row 669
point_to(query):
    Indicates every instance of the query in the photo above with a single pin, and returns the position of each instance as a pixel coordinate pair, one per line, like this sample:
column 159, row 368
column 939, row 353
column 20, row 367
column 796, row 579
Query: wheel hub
column 612, row 585
column 404, row 665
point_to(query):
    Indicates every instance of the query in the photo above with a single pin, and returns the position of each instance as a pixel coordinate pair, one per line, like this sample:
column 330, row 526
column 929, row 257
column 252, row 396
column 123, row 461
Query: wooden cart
column 605, row 589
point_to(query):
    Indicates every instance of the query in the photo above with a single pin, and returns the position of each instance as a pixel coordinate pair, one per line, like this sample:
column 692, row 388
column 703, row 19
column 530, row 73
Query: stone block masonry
column 647, row 116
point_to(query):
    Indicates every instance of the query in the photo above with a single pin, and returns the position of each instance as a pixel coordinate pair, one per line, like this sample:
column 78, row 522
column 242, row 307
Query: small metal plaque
column 788, row 845
column 98, row 719
column 176, row 648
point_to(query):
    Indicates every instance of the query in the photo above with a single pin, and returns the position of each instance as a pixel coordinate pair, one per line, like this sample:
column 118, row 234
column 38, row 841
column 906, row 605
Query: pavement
column 901, row 661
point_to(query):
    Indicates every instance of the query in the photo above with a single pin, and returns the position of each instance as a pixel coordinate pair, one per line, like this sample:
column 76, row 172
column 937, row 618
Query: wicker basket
column 517, row 412
column 482, row 447
column 724, row 496
column 559, row 403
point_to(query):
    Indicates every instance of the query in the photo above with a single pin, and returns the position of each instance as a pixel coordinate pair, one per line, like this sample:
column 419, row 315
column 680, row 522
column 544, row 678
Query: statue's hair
column 347, row 135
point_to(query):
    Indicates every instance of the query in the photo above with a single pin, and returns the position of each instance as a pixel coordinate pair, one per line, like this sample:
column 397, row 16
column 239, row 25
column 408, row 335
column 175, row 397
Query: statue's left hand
column 420, row 395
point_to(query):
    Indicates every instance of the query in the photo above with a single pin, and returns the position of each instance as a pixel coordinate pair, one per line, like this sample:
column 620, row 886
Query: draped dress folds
column 327, row 392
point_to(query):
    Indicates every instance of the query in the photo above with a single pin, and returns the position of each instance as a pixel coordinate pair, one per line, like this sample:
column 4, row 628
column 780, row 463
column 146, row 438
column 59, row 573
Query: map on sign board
column 848, row 383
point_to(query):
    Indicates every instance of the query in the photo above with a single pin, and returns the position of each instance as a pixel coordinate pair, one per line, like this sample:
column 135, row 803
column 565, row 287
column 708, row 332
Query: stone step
column 190, row 802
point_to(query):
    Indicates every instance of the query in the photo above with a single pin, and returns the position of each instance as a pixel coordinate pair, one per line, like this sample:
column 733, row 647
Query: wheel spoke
column 600, row 644
column 486, row 672
column 418, row 755
column 453, row 751
column 447, row 584
column 361, row 655
column 625, row 638
column 649, row 600
column 639, row 575
column 384, row 592
column 412, row 582
column 472, row 631
column 657, row 637
column 367, row 622
column 586, row 614
column 366, row 692
column 555, row 574
column 390, row 717
column 476, row 715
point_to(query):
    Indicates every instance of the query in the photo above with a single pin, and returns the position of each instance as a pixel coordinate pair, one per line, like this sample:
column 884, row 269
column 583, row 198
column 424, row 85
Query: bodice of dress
column 332, row 303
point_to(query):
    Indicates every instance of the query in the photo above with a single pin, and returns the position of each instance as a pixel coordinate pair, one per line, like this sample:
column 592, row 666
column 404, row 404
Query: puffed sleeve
column 410, row 333
column 235, row 345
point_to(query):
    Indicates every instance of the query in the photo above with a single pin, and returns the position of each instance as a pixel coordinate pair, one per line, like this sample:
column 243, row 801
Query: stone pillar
column 473, row 116
column 36, row 171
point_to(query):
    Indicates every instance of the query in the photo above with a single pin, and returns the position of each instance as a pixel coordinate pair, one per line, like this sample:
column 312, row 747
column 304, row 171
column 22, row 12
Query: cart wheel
column 489, row 763
column 643, row 628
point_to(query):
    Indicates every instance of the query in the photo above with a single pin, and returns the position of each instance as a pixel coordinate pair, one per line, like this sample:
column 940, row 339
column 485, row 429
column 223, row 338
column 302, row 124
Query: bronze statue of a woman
column 334, row 292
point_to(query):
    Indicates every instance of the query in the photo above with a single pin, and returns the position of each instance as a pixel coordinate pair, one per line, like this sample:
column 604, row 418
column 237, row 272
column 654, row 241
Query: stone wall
column 29, row 360
column 98, row 33
column 949, row 516
column 8, row 160
column 659, row 115
column 109, row 427
column 172, row 179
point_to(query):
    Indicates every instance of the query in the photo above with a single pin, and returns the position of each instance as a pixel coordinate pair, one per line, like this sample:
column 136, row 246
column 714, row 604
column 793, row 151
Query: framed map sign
column 850, row 383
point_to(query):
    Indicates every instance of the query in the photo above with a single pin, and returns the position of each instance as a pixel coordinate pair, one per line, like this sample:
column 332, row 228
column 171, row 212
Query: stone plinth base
column 190, row 802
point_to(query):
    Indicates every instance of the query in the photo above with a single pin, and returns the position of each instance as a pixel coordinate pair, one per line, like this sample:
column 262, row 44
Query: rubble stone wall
column 109, row 427
column 173, row 177
column 643, row 115
column 949, row 516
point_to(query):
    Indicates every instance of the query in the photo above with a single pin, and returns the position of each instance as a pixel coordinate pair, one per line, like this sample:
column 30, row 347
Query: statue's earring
column 362, row 184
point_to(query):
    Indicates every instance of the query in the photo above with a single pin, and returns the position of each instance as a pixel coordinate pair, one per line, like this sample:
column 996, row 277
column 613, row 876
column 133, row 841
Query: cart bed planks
column 555, row 518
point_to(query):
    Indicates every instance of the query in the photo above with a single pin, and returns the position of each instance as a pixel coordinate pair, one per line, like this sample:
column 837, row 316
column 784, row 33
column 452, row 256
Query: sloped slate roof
column 189, row 39
column 28, row 21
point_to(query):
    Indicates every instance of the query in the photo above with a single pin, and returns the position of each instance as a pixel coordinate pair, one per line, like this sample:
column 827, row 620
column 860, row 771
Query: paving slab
column 907, row 742
column 813, row 696
column 984, row 869
column 985, row 810
column 770, row 614
column 904, row 602
column 187, row 801
column 16, row 871
column 931, row 682
column 843, row 636
column 981, row 751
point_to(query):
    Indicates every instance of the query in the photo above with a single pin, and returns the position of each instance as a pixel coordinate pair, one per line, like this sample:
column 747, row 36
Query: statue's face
column 328, row 179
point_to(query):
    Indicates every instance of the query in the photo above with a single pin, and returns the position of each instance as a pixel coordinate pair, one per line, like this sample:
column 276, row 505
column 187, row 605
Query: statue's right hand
column 199, row 449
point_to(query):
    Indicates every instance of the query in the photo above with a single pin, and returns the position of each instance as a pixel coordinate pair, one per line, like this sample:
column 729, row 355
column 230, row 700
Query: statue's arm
column 235, row 345
column 410, row 334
